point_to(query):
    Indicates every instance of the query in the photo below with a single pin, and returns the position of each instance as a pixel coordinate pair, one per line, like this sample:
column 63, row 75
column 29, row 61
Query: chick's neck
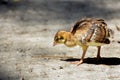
column 71, row 40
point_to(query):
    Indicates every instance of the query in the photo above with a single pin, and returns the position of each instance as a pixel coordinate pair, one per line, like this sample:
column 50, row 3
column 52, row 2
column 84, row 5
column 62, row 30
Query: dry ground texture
column 27, row 29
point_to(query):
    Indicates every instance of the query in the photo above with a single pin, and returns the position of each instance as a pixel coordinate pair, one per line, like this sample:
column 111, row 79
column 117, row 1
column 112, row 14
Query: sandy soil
column 27, row 29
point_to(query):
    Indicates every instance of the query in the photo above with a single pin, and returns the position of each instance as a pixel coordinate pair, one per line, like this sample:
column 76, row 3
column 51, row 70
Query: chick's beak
column 54, row 43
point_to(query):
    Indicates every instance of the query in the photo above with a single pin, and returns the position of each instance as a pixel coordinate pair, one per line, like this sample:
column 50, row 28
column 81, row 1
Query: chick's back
column 89, row 30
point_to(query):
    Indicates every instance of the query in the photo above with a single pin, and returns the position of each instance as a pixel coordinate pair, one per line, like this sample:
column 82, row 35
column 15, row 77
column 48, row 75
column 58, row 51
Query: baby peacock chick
column 86, row 32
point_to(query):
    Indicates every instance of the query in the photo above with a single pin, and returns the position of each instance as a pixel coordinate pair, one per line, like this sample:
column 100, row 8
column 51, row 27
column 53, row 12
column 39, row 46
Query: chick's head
column 60, row 37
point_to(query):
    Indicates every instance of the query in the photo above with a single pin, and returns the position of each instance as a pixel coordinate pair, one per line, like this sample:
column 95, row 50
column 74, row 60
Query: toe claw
column 77, row 62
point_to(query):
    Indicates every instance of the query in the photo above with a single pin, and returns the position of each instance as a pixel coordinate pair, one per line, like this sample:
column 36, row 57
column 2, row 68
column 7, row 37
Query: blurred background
column 27, row 29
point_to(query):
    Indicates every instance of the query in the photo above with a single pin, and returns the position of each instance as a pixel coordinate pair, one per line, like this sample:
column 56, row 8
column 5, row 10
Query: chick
column 86, row 32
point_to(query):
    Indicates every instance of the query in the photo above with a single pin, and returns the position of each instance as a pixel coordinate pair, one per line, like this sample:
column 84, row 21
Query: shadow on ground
column 106, row 61
column 5, row 76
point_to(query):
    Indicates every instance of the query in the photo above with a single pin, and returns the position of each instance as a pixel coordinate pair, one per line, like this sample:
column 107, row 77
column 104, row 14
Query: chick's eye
column 61, row 38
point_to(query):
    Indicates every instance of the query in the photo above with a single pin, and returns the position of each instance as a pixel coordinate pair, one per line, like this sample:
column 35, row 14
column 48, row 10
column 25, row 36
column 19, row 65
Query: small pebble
column 60, row 67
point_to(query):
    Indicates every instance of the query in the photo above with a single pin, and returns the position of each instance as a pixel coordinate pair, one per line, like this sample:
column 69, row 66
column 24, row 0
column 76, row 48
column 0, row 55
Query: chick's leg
column 98, row 53
column 84, row 48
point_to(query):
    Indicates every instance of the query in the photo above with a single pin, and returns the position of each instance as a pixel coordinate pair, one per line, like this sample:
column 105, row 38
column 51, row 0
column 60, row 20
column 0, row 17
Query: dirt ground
column 27, row 29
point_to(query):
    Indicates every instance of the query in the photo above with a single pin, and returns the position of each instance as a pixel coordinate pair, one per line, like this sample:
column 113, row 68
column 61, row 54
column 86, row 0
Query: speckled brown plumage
column 91, row 30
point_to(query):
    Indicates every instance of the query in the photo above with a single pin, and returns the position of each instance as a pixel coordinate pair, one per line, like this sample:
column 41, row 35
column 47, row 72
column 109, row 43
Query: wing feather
column 91, row 30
